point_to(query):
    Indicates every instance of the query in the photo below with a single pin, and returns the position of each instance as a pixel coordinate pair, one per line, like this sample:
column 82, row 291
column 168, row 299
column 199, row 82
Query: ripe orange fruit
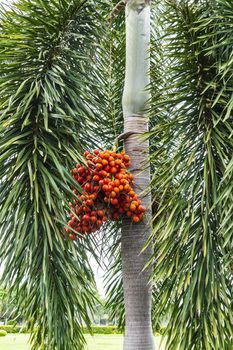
column 113, row 170
column 96, row 178
column 106, row 155
column 86, row 209
column 100, row 212
column 99, row 166
column 81, row 170
column 105, row 188
column 106, row 199
column 87, row 187
column 119, row 176
column 126, row 158
column 93, row 219
column 141, row 208
column 114, row 201
column 127, row 187
column 89, row 202
column 116, row 190
column 108, row 192
column 131, row 193
column 133, row 207
column 123, row 181
column 104, row 162
column 117, row 182
column 113, row 194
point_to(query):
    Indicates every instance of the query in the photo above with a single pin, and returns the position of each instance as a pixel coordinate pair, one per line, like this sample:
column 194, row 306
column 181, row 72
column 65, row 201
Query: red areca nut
column 108, row 193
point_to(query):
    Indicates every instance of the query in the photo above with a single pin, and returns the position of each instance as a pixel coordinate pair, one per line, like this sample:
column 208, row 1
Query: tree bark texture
column 137, row 289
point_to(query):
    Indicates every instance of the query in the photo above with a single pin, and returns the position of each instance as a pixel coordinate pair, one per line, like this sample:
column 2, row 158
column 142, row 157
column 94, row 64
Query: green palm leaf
column 191, row 147
column 47, row 114
column 110, row 68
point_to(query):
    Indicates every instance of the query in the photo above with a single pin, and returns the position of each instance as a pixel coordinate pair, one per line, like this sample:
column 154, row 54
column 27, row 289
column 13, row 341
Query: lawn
column 98, row 342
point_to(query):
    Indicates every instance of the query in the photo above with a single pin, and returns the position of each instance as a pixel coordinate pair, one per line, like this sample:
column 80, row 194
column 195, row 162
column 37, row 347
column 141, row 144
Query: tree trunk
column 137, row 289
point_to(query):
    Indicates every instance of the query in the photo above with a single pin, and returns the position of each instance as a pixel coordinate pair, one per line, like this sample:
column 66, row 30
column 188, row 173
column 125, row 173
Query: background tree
column 8, row 307
column 61, row 80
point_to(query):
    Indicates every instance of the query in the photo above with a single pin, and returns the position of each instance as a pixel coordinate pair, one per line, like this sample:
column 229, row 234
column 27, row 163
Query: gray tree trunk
column 137, row 289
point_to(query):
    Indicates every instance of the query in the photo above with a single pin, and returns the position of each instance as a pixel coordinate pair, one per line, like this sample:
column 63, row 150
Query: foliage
column 110, row 69
column 8, row 306
column 85, row 330
column 46, row 120
column 114, row 286
column 2, row 333
column 104, row 330
column 192, row 162
column 14, row 329
column 12, row 323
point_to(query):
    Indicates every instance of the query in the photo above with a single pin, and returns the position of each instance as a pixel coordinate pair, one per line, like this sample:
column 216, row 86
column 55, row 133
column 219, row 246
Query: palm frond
column 114, row 283
column 110, row 68
column 192, row 117
column 47, row 117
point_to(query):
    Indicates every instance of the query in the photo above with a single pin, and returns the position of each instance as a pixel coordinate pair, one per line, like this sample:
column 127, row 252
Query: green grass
column 98, row 342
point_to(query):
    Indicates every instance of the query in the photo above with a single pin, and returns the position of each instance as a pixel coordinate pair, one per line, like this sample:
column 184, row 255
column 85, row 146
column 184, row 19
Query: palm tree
column 62, row 75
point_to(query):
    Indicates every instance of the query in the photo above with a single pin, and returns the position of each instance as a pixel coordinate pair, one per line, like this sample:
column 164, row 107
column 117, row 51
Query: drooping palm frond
column 192, row 112
column 114, row 284
column 46, row 120
column 111, row 70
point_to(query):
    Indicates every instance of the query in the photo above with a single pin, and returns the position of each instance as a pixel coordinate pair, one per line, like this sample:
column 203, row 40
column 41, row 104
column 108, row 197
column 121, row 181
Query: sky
column 99, row 276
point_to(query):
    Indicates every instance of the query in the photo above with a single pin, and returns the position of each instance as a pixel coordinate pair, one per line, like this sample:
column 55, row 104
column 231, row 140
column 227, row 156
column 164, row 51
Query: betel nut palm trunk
column 137, row 289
